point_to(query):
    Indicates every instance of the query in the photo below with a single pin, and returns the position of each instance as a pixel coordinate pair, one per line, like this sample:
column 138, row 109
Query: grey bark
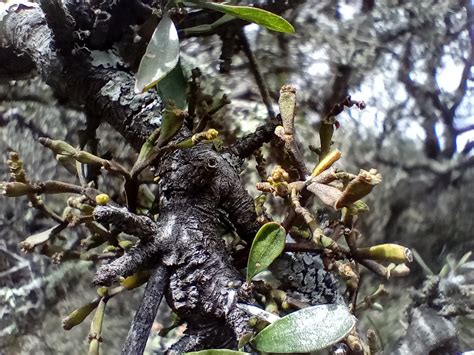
column 144, row 317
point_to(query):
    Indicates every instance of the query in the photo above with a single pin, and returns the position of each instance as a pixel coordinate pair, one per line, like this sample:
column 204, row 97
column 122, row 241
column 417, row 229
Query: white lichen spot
column 111, row 90
column 13, row 5
column 108, row 59
column 156, row 120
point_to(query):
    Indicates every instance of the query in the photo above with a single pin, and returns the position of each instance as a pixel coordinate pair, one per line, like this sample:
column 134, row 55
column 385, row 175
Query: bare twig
column 254, row 67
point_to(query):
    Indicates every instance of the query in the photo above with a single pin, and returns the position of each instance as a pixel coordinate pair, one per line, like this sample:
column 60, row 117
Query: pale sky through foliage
column 374, row 88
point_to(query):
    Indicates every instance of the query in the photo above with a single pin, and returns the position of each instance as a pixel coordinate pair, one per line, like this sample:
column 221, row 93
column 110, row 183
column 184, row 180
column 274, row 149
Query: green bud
column 136, row 279
column 125, row 244
column 358, row 188
column 77, row 316
column 387, row 252
column 58, row 146
column 15, row 189
column 103, row 291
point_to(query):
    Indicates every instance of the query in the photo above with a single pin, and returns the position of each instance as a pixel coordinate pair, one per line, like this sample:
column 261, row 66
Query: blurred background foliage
column 410, row 61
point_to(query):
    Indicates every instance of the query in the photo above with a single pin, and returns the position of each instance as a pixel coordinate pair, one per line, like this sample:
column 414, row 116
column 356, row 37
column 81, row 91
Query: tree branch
column 146, row 312
column 254, row 67
column 106, row 93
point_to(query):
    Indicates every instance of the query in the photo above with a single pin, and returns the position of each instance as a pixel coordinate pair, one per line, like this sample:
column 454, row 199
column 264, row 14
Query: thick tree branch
column 141, row 226
column 105, row 93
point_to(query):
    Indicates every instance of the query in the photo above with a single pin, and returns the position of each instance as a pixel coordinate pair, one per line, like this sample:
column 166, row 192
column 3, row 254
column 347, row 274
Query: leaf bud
column 77, row 316
column 102, row 199
column 327, row 162
column 387, row 252
column 58, row 146
column 360, row 187
column 15, row 189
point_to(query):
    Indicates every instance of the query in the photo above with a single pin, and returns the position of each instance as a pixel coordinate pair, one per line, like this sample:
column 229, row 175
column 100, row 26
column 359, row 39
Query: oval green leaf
column 266, row 247
column 216, row 352
column 253, row 14
column 173, row 87
column 161, row 56
column 306, row 330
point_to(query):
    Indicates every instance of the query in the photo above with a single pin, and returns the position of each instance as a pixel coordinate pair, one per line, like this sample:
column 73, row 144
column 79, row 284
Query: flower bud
column 102, row 199
column 136, row 280
column 58, row 146
column 15, row 189
column 212, row 134
column 279, row 174
column 77, row 316
column 102, row 291
column 387, row 252
column 358, row 188
column 327, row 162
column 89, row 158
column 68, row 162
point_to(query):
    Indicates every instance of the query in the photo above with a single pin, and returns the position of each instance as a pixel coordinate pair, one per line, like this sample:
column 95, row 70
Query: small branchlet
column 326, row 130
column 370, row 300
column 206, row 112
column 261, row 165
column 64, row 149
column 94, row 336
column 286, row 133
column 22, row 187
column 359, row 187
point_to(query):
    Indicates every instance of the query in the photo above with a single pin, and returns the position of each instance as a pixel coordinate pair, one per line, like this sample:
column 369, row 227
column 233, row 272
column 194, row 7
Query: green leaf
column 306, row 330
column 161, row 56
column 253, row 14
column 216, row 352
column 200, row 29
column 266, row 247
column 173, row 87
column 464, row 259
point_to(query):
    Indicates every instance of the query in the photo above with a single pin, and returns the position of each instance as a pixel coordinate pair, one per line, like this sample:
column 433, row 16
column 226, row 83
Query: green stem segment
column 96, row 328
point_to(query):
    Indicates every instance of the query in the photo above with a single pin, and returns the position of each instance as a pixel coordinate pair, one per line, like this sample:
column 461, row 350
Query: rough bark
column 144, row 317
column 432, row 317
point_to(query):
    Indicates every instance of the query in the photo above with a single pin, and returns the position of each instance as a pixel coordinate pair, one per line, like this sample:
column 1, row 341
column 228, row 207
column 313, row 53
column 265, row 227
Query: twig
column 254, row 67
column 146, row 312
column 286, row 133
column 246, row 145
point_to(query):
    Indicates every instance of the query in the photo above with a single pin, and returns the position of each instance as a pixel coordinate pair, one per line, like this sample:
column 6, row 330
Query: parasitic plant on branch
column 177, row 249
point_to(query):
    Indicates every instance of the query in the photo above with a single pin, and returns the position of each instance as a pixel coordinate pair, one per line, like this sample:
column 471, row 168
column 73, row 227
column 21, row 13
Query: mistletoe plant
column 176, row 247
